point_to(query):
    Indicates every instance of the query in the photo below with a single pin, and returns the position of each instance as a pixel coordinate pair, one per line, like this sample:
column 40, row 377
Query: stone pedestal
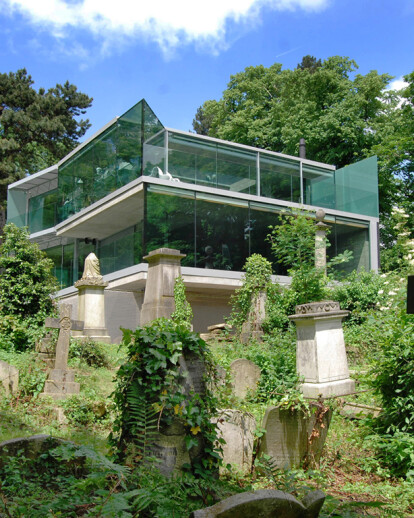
column 91, row 309
column 253, row 329
column 163, row 268
column 61, row 384
column 320, row 354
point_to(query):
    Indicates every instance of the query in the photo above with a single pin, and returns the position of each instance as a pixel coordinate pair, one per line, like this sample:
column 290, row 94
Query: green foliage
column 38, row 128
column 152, row 376
column 359, row 293
column 293, row 245
column 256, row 279
column 91, row 352
column 183, row 314
column 26, row 286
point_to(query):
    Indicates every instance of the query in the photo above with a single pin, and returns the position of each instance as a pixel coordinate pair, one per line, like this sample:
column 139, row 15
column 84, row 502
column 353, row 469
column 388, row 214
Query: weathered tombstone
column 163, row 268
column 9, row 378
column 265, row 503
column 46, row 349
column 91, row 301
column 61, row 380
column 169, row 445
column 246, row 375
column 320, row 351
column 253, row 328
column 237, row 429
column 291, row 436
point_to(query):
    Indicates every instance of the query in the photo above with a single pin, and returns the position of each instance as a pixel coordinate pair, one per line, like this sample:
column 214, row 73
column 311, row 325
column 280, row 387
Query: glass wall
column 63, row 257
column 279, row 178
column 121, row 250
column 110, row 161
column 220, row 232
column 318, row 187
column 43, row 211
column 16, row 207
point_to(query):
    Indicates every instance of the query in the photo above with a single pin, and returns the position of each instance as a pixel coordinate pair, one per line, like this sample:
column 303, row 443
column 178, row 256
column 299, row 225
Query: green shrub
column 26, row 286
column 183, row 314
column 32, row 371
column 91, row 352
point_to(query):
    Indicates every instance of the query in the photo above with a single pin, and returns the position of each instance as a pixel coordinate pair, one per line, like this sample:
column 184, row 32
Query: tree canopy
column 37, row 127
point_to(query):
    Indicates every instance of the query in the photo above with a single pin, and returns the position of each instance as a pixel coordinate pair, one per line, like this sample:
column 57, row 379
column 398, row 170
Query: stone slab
column 31, row 447
column 264, row 503
column 9, row 378
column 287, row 436
column 246, row 376
column 237, row 429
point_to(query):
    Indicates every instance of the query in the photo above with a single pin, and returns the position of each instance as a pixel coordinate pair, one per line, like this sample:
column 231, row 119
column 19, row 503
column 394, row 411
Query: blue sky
column 178, row 54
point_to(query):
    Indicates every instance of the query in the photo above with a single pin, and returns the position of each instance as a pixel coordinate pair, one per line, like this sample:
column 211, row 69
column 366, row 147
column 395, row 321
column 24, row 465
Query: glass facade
column 215, row 230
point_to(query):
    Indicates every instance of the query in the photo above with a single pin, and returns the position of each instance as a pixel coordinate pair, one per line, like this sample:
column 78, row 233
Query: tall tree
column 273, row 108
column 37, row 128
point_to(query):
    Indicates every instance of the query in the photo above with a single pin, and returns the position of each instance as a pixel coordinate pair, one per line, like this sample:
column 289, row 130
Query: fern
column 142, row 420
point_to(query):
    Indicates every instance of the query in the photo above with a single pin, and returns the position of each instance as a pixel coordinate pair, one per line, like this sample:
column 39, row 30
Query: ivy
column 152, row 379
column 183, row 314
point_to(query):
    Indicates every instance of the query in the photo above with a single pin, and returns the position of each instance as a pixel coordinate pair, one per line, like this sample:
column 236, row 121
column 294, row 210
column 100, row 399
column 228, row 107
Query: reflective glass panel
column 169, row 221
column 222, row 226
column 354, row 236
column 318, row 186
column 279, row 178
column 43, row 211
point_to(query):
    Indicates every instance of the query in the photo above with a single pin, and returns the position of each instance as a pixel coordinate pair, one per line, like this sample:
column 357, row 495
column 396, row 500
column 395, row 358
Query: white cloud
column 398, row 84
column 167, row 23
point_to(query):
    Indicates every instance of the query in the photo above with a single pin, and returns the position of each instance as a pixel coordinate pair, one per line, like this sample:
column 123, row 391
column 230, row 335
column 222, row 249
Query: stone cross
column 65, row 324
column 61, row 381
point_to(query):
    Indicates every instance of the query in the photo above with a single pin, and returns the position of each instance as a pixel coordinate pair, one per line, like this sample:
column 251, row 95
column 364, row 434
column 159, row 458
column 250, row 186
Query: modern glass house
column 136, row 186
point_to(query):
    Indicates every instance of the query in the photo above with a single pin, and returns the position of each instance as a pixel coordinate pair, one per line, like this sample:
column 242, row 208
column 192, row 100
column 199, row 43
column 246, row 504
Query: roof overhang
column 113, row 213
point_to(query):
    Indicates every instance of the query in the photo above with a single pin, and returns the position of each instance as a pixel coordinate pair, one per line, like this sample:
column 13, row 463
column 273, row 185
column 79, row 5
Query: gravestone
column 253, row 328
column 163, row 268
column 61, row 381
column 264, row 503
column 320, row 351
column 9, row 378
column 289, row 436
column 237, row 429
column 169, row 444
column 245, row 375
column 46, row 349
column 91, row 302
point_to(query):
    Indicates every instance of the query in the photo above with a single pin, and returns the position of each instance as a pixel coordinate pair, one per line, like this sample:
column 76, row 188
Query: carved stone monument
column 237, row 429
column 61, row 381
column 320, row 351
column 252, row 329
column 246, row 375
column 163, row 268
column 91, row 301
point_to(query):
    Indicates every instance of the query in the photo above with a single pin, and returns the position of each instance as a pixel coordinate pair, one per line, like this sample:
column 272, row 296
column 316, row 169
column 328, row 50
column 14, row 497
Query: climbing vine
column 151, row 394
column 183, row 314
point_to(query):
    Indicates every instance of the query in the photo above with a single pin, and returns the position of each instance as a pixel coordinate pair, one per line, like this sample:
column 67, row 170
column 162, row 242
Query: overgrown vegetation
column 151, row 395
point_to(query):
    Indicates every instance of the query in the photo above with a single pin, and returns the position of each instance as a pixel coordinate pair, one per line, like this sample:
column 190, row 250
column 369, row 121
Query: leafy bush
column 91, row 352
column 359, row 293
column 26, row 286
